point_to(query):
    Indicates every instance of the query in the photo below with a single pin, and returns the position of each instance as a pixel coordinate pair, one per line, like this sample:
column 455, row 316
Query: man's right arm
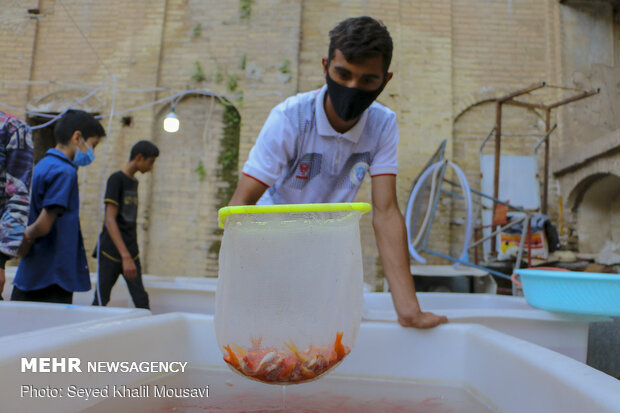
column 248, row 192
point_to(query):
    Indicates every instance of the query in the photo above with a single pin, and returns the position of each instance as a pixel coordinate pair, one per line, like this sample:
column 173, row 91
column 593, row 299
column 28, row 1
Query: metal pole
column 476, row 248
column 529, row 244
column 468, row 264
column 545, row 199
column 459, row 196
column 525, row 104
column 498, row 146
column 482, row 194
column 510, row 224
column 574, row 98
column 518, row 291
column 522, row 91
column 544, row 138
column 484, row 142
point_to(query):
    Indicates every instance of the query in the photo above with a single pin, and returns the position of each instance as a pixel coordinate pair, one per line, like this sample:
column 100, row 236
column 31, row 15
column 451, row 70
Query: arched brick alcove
column 595, row 212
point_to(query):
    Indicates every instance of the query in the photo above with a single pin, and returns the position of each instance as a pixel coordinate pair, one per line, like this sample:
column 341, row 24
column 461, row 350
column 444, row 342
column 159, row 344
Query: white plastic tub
column 564, row 333
column 20, row 317
column 119, row 296
column 166, row 294
column 511, row 375
column 180, row 294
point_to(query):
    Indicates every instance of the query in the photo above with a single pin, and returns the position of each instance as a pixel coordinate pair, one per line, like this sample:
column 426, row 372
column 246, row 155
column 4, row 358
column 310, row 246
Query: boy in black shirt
column 118, row 243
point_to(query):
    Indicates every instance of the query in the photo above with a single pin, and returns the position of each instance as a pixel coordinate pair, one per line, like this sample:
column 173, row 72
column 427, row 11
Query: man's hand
column 421, row 320
column 409, row 312
column 2, row 281
column 129, row 269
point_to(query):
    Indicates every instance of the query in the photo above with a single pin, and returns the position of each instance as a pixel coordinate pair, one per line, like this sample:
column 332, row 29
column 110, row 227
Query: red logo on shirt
column 304, row 167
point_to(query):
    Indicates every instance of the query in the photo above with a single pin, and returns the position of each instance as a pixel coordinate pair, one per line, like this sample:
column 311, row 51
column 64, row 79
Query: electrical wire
column 41, row 115
column 147, row 105
column 85, row 37
column 175, row 98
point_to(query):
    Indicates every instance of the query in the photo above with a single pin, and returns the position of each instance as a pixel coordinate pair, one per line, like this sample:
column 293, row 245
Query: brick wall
column 17, row 36
column 451, row 56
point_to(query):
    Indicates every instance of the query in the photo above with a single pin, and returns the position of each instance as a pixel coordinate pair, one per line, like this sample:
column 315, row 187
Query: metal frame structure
column 509, row 99
column 496, row 201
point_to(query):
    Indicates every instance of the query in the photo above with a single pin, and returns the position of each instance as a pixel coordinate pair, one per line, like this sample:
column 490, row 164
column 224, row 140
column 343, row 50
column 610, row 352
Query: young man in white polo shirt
column 318, row 146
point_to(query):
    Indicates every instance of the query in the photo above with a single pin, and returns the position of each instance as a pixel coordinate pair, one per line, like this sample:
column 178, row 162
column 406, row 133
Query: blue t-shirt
column 58, row 257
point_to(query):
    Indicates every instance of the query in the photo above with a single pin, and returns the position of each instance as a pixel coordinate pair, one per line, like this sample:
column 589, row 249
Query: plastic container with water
column 290, row 291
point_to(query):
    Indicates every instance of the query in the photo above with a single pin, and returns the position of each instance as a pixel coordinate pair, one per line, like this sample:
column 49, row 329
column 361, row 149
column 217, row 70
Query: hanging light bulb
column 171, row 122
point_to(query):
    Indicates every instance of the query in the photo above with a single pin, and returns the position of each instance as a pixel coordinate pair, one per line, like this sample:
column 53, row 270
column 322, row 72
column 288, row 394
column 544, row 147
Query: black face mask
column 350, row 102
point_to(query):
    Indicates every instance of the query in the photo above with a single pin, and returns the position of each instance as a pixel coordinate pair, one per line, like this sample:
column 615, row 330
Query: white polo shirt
column 302, row 159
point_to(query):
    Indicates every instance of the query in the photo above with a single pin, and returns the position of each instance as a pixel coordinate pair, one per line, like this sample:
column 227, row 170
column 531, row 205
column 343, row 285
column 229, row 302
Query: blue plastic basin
column 572, row 292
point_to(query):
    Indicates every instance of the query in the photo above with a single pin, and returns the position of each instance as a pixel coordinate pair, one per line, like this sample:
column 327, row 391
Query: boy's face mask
column 84, row 159
column 350, row 102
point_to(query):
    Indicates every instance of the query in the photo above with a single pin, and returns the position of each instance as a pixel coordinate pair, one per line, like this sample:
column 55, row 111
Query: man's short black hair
column 360, row 38
column 77, row 120
column 145, row 148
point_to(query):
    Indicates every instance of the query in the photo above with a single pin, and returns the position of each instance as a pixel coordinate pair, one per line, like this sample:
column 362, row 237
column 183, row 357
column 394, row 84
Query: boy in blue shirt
column 54, row 260
column 119, row 241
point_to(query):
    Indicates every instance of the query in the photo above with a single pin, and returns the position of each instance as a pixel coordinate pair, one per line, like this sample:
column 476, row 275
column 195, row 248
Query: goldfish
column 287, row 365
